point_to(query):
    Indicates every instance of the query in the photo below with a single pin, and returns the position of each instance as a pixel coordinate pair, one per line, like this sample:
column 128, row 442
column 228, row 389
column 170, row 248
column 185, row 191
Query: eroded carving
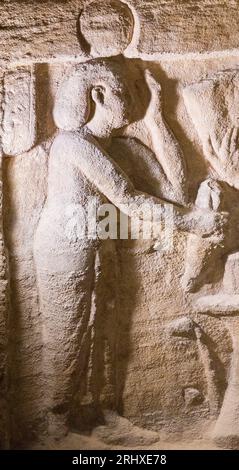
column 113, row 145
column 107, row 29
column 100, row 94
column 218, row 131
column 218, row 127
column 185, row 327
column 18, row 126
column 226, row 432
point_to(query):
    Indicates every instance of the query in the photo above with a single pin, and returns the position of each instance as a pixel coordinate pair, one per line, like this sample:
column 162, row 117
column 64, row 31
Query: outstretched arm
column 87, row 154
column 165, row 145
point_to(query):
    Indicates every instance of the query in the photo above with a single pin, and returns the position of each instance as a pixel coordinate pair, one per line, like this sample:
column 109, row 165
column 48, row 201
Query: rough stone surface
column 112, row 112
column 50, row 29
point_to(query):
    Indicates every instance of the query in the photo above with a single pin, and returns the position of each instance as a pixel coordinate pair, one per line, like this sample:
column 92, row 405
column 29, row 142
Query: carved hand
column 207, row 222
column 228, row 149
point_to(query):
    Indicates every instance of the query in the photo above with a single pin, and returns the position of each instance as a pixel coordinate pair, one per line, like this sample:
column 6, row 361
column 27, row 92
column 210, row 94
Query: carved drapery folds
column 119, row 225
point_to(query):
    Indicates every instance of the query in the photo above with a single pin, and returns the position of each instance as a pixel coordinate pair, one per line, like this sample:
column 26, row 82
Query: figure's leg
column 65, row 282
column 203, row 255
column 98, row 390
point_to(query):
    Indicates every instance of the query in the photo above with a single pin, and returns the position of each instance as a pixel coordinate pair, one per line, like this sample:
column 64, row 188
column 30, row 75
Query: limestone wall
column 122, row 103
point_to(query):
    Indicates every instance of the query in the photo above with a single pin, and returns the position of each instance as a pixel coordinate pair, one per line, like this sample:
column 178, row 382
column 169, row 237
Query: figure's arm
column 106, row 175
column 165, row 145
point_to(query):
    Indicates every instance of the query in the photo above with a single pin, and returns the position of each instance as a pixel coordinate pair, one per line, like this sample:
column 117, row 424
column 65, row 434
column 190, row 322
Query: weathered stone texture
column 119, row 109
column 50, row 29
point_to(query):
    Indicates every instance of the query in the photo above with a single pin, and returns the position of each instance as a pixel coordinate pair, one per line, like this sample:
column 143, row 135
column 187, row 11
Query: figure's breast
column 67, row 183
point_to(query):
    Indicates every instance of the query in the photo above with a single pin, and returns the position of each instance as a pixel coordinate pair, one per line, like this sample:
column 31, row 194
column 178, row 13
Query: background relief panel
column 119, row 326
column 19, row 122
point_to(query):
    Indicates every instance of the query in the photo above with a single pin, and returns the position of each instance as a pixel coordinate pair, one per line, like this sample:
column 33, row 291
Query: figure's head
column 99, row 90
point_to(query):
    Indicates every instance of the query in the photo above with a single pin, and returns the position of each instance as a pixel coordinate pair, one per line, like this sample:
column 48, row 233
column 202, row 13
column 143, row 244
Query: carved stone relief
column 119, row 227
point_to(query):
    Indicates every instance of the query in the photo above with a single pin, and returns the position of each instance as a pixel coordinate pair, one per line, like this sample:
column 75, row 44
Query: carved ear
column 97, row 94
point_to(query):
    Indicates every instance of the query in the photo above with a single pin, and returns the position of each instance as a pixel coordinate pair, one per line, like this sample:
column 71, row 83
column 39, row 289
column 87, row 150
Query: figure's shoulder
column 67, row 141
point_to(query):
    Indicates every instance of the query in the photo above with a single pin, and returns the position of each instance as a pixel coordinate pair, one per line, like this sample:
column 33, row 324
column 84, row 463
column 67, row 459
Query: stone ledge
column 43, row 30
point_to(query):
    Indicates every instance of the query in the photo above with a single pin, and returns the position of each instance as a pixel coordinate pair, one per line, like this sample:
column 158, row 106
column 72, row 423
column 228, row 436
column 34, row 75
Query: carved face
column 115, row 105
column 102, row 91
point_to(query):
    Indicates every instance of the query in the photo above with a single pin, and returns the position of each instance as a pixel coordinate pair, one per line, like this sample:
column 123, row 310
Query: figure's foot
column 226, row 436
